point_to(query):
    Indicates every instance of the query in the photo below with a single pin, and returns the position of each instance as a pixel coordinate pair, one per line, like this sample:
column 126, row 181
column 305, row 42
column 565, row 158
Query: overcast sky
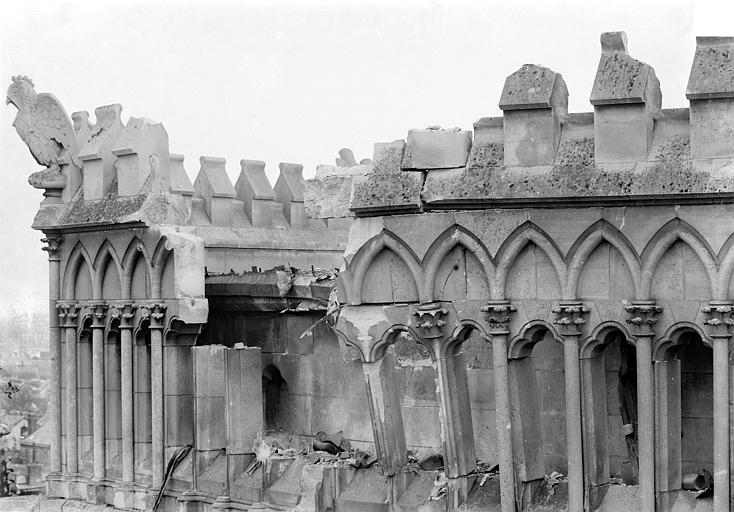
column 294, row 82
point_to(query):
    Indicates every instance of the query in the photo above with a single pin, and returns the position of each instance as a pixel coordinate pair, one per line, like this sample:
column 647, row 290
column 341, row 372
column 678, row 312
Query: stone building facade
column 551, row 293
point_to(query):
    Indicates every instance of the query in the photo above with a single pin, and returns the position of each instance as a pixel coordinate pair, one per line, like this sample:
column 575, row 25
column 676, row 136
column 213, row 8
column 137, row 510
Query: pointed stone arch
column 454, row 236
column 671, row 338
column 530, row 334
column 105, row 254
column 135, row 250
column 597, row 339
column 726, row 269
column 371, row 249
column 513, row 246
column 596, row 234
column 161, row 255
column 77, row 257
column 390, row 337
column 663, row 240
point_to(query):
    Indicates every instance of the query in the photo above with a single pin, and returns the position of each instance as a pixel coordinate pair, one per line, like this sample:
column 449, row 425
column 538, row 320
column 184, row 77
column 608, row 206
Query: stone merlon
column 621, row 78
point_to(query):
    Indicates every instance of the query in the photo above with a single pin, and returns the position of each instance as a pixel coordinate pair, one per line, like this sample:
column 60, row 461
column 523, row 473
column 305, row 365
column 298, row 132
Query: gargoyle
column 46, row 129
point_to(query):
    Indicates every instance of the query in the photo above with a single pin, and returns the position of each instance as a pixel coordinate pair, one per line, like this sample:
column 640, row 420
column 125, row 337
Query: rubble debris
column 326, row 446
column 552, row 480
column 440, row 487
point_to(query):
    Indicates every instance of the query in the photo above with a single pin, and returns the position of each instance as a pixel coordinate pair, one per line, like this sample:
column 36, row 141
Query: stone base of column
column 96, row 493
column 144, row 499
column 55, row 487
column 71, row 488
column 124, row 497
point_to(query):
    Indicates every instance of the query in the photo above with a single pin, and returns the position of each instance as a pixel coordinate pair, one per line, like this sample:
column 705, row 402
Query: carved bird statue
column 44, row 126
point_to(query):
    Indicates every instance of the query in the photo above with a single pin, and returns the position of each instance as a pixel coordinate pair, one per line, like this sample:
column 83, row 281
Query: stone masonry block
column 622, row 133
column 289, row 191
column 712, row 72
column 211, row 431
column 142, row 158
column 254, row 189
column 437, row 149
column 96, row 150
column 210, row 369
column 244, row 399
column 625, row 95
column 387, row 191
column 711, row 92
column 530, row 137
column 532, row 100
column 180, row 182
column 213, row 186
column 534, row 87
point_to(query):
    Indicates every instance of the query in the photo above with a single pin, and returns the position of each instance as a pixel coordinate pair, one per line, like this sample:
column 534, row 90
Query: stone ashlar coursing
column 628, row 149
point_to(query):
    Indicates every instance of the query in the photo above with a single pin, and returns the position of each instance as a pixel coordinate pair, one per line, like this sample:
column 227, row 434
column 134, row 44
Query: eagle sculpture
column 45, row 127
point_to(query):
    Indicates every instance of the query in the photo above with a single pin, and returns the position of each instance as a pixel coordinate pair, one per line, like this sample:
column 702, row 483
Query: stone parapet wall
column 627, row 149
column 124, row 172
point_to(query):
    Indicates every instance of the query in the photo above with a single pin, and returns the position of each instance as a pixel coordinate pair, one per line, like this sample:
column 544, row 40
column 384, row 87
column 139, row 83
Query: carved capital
column 430, row 320
column 125, row 312
column 719, row 318
column 570, row 317
column 498, row 314
column 53, row 247
column 641, row 316
column 156, row 313
column 99, row 314
column 68, row 313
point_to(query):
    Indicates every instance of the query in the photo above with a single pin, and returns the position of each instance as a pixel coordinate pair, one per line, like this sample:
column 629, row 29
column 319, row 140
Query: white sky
column 294, row 82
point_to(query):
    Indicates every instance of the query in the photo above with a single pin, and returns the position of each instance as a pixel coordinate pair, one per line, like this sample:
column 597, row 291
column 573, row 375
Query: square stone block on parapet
column 712, row 127
column 530, row 137
column 622, row 133
column 437, row 149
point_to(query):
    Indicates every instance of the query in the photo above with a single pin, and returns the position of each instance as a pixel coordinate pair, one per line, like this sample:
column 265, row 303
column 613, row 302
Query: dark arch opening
column 697, row 407
column 275, row 399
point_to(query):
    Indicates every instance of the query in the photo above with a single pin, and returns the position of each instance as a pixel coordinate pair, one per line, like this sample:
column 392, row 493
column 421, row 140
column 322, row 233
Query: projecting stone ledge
column 575, row 174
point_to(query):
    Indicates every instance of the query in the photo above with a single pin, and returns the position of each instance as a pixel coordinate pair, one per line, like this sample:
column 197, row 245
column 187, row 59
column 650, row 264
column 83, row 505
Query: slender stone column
column 719, row 319
column 157, row 324
column 126, row 313
column 498, row 316
column 381, row 384
column 431, row 322
column 99, row 314
column 68, row 315
column 641, row 318
column 570, row 319
column 53, row 245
